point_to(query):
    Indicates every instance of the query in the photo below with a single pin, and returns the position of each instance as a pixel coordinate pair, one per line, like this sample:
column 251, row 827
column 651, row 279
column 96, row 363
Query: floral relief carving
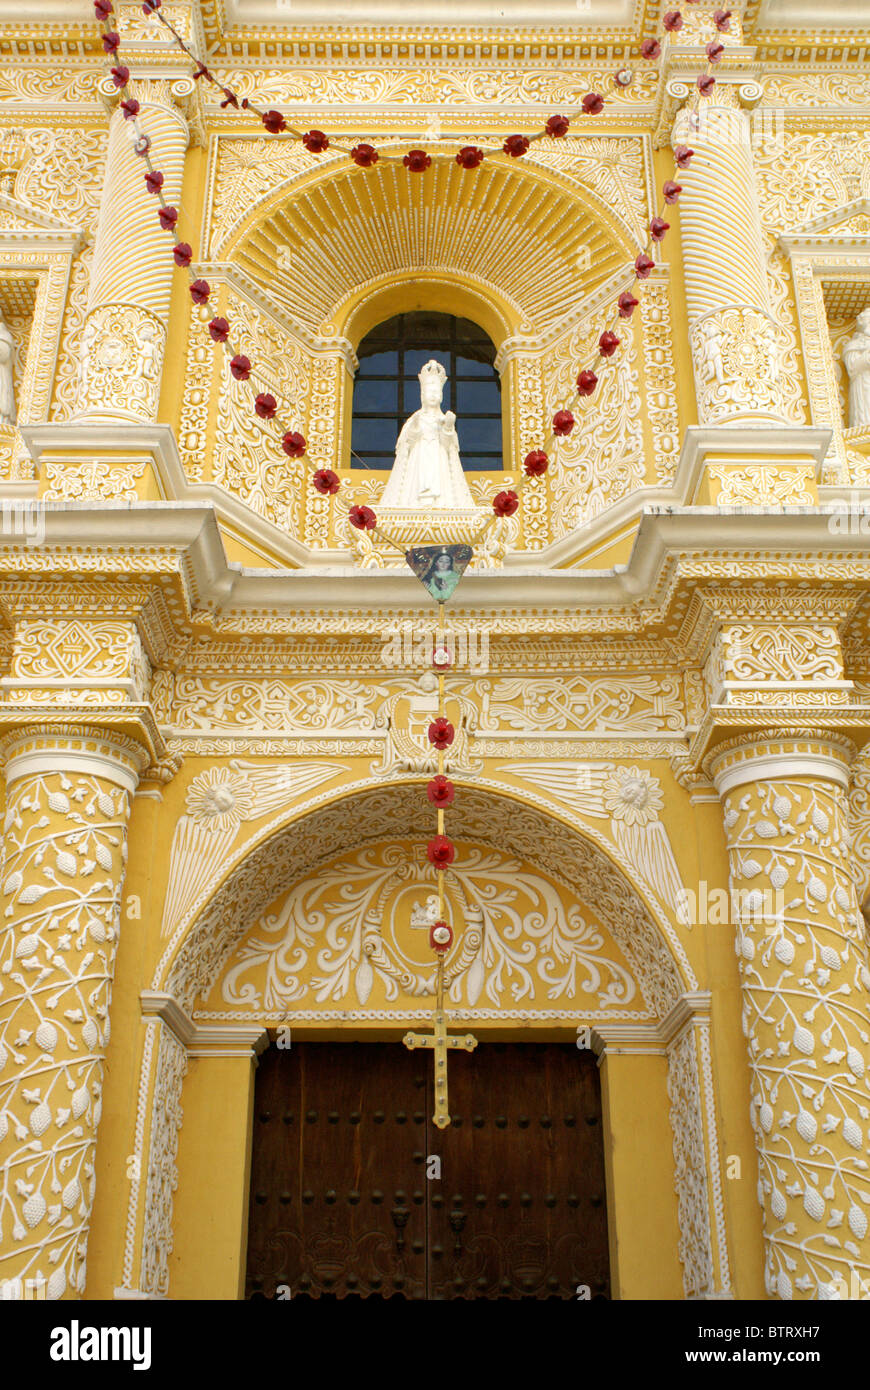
column 360, row 921
column 235, row 888
column 247, row 457
column 605, row 460
column 62, row 874
column 162, row 1179
column 690, row 1163
column 120, row 361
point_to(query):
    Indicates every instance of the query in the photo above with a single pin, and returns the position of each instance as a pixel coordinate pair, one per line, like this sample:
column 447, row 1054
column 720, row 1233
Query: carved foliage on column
column 803, row 966
column 62, row 873
column 121, row 359
column 737, row 354
column 166, row 1116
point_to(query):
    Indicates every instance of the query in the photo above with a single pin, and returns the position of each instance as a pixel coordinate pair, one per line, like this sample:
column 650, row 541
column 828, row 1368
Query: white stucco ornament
column 632, row 795
column 219, row 799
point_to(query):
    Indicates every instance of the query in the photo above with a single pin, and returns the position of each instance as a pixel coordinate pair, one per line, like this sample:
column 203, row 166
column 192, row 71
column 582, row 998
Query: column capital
column 117, row 747
column 765, row 756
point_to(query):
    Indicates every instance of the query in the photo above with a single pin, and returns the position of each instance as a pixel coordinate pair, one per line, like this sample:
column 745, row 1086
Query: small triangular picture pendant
column 439, row 567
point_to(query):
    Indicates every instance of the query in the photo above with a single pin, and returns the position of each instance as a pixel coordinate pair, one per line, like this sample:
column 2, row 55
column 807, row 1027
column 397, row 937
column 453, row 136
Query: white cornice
column 204, row 1039
column 750, row 443
column 622, row 592
column 128, row 442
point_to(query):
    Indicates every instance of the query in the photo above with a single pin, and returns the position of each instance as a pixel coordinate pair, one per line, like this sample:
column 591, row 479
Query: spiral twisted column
column 735, row 340
column 802, row 955
column 64, row 856
column 124, row 334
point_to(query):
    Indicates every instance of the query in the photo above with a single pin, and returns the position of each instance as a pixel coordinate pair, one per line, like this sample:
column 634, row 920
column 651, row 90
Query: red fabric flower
column 364, row 155
column 557, row 126
column 608, row 343
column 672, row 191
column 672, row 21
column 586, row 382
column 150, row 6
column 111, row 41
column 516, row 145
column 683, row 155
column 440, row 791
column 201, row 71
column 167, row 218
column 273, row 121
column 266, row 405
column 643, row 265
column 130, row 108
column 441, row 850
column 240, row 366
column 505, row 503
column 626, row 304
column 200, row 291
column 535, row 463
column 592, row 103
column 141, row 146
column 563, row 422
column 219, row 329
column 722, row 20
column 294, row 444
column 441, row 732
column 469, row 157
column 417, row 161
column 120, row 76
column 326, row 481
column 230, row 99
column 706, row 83
column 102, row 9
column 650, row 48
column 659, row 228
column 714, row 51
column 183, row 254
column 315, row 142
column 154, row 180
column 363, row 518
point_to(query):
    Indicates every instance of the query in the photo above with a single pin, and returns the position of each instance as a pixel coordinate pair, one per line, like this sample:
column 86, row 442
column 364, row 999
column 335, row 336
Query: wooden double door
column 356, row 1193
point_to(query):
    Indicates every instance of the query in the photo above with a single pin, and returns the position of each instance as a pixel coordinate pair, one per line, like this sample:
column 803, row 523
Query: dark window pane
column 469, row 366
column 375, row 461
column 379, row 396
column 387, row 388
column 377, row 363
column 481, row 435
column 482, row 463
column 425, row 329
column 477, row 398
column 373, row 436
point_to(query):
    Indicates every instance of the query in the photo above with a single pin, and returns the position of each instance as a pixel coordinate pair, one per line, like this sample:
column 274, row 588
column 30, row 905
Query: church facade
column 216, row 688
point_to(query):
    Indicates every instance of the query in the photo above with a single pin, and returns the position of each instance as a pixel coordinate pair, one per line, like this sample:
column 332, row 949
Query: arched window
column 386, row 390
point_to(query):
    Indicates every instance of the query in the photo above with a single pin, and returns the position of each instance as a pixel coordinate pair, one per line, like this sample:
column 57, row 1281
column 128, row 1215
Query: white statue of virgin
column 427, row 473
column 856, row 355
column 8, row 413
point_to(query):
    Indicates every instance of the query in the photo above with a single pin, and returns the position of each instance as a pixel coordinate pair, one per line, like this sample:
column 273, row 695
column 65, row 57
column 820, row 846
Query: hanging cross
column 439, row 1040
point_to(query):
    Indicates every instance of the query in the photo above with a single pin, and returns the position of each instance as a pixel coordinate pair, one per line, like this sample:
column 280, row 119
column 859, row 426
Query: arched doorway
column 626, row 983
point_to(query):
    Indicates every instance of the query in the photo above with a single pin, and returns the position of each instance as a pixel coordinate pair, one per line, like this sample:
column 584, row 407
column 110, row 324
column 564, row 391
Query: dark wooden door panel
column 520, row 1210
column 337, row 1202
column 340, row 1202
